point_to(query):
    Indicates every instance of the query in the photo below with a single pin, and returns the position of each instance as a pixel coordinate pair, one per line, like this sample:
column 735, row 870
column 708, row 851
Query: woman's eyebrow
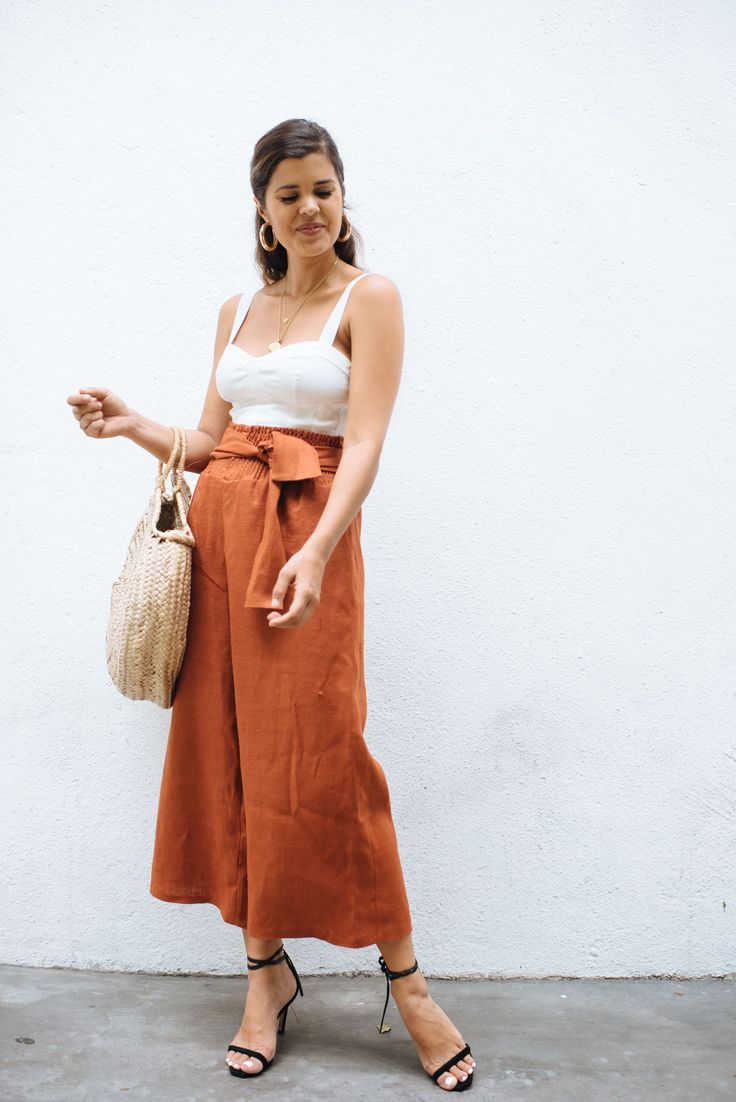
column 329, row 180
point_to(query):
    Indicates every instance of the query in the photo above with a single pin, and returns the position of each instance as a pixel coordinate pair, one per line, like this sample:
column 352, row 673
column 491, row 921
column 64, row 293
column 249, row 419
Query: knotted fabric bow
column 289, row 459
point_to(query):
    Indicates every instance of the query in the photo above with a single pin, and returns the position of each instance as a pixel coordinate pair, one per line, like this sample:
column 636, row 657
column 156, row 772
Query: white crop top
column 300, row 385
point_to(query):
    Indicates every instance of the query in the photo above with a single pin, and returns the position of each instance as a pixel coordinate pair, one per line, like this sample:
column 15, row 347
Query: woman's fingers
column 83, row 404
column 84, row 396
column 88, row 410
column 93, row 393
column 299, row 612
column 88, row 418
column 93, row 398
column 305, row 597
column 86, row 415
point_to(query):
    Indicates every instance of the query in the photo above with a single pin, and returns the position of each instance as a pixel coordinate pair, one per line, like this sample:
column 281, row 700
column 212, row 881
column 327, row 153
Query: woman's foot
column 268, row 989
column 434, row 1035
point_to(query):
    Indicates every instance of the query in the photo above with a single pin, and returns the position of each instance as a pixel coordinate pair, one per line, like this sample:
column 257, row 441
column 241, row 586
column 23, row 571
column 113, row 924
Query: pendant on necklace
column 274, row 345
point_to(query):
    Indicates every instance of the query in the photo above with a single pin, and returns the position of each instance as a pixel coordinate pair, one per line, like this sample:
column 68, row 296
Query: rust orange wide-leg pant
column 271, row 806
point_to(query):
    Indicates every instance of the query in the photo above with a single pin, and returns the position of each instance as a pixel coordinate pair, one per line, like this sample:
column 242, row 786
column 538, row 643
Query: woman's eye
column 322, row 195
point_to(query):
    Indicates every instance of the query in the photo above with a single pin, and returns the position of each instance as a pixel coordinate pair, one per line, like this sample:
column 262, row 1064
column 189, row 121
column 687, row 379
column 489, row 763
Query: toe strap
column 249, row 1052
column 453, row 1060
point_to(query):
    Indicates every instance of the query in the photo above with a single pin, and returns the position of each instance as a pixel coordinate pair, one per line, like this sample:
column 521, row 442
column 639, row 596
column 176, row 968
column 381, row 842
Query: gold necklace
column 277, row 343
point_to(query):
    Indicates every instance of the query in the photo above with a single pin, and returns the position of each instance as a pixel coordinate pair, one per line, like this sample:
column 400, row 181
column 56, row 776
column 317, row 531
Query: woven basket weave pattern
column 149, row 607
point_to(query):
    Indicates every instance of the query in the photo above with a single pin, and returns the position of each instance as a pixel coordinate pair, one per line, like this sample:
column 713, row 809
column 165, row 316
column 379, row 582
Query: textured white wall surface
column 549, row 543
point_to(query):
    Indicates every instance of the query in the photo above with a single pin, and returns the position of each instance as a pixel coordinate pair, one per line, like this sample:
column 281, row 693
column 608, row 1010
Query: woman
column 271, row 805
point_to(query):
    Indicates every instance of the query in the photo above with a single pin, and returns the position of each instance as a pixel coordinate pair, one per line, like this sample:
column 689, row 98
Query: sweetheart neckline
column 284, row 347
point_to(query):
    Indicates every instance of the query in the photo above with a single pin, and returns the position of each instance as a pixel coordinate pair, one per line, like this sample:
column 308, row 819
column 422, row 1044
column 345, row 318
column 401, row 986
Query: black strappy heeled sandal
column 253, row 963
column 462, row 1084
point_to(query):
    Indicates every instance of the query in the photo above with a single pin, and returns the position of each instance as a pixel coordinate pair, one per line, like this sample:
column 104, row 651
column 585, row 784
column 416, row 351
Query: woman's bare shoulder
column 375, row 283
column 230, row 305
column 376, row 289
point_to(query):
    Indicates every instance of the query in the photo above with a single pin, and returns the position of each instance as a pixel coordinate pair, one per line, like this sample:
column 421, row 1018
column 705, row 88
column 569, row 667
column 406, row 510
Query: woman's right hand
column 100, row 412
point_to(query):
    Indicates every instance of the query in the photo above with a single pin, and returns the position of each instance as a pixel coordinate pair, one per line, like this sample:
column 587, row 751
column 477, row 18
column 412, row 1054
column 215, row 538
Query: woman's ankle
column 261, row 948
column 410, row 987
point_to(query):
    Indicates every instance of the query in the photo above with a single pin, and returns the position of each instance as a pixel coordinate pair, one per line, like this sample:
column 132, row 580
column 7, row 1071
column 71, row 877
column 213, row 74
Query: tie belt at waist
column 289, row 459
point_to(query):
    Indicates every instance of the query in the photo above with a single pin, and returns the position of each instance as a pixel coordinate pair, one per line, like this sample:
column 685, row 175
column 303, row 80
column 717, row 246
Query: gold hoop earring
column 268, row 248
column 348, row 235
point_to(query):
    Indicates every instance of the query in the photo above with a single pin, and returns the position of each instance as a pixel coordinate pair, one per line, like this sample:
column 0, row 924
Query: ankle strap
column 391, row 976
column 266, row 960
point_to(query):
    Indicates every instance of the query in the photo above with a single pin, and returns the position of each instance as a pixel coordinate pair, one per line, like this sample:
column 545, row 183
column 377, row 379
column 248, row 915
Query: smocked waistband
column 258, row 432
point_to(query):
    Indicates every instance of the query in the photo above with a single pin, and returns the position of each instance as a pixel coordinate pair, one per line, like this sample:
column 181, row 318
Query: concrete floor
column 77, row 1036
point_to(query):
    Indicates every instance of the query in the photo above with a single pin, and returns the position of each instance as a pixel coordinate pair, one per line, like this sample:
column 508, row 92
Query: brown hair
column 294, row 138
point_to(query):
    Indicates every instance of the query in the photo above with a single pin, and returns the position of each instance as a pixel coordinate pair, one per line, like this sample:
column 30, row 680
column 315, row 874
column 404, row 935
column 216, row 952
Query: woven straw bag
column 149, row 608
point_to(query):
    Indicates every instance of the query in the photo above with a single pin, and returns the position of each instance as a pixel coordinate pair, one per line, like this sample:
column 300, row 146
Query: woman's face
column 302, row 190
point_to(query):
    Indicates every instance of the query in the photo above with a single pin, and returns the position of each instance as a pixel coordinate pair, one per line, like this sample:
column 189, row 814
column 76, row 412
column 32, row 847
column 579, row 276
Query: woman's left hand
column 304, row 571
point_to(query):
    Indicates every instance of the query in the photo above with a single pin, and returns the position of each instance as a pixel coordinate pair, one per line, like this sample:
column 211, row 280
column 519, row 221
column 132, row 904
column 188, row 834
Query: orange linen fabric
column 271, row 805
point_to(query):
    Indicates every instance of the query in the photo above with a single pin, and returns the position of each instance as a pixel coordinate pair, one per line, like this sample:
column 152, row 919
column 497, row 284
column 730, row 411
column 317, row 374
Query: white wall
column 550, row 541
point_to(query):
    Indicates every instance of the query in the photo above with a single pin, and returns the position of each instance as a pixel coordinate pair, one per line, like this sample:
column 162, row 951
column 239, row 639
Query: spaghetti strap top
column 301, row 385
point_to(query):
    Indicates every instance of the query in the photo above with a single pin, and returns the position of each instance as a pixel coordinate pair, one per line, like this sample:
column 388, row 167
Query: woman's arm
column 158, row 439
column 376, row 327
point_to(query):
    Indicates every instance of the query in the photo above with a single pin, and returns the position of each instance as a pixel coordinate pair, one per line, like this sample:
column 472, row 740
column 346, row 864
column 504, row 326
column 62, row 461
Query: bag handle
column 181, row 460
column 175, row 462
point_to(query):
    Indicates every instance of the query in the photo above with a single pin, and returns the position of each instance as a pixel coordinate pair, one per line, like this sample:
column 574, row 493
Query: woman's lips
column 310, row 230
